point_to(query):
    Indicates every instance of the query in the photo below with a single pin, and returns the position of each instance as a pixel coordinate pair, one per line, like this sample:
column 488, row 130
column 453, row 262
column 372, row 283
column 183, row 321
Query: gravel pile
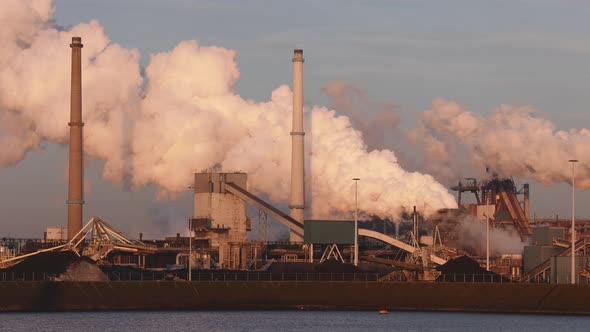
column 466, row 269
column 55, row 265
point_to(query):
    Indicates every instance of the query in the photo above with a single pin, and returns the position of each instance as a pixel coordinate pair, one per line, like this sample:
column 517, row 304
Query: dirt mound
column 462, row 264
column 466, row 269
column 55, row 265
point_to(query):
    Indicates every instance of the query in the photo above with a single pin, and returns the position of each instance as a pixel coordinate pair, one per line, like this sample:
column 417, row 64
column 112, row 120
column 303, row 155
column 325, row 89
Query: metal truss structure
column 95, row 240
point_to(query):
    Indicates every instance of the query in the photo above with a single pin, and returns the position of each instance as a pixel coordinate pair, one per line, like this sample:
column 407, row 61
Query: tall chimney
column 527, row 209
column 76, row 183
column 297, row 205
column 416, row 226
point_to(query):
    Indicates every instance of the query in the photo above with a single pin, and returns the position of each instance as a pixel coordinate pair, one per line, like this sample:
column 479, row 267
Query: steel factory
column 224, row 237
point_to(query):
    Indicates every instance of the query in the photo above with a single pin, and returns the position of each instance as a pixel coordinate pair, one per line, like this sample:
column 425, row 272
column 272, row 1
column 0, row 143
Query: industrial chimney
column 76, row 183
column 297, row 205
column 527, row 205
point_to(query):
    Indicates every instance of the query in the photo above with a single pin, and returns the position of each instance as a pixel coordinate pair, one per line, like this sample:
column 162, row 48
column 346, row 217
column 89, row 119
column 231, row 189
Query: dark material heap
column 466, row 269
column 43, row 265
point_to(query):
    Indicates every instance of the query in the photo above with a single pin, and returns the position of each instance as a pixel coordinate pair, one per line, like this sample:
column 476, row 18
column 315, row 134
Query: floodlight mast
column 356, row 227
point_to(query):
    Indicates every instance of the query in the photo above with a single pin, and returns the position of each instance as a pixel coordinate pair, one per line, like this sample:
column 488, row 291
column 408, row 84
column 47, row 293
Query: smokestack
column 526, row 200
column 297, row 205
column 416, row 227
column 75, row 187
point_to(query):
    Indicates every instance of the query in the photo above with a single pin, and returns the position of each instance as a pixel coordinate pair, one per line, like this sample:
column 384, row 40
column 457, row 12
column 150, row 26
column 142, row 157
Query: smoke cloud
column 472, row 237
column 373, row 119
column 184, row 116
column 512, row 141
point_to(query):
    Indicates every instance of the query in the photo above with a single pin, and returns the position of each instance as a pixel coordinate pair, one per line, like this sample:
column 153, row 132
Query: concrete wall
column 543, row 236
column 223, row 209
column 225, row 213
column 535, row 255
column 219, row 295
column 561, row 269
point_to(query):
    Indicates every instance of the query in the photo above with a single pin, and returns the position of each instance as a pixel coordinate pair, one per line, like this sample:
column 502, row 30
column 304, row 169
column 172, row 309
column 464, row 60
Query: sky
column 480, row 54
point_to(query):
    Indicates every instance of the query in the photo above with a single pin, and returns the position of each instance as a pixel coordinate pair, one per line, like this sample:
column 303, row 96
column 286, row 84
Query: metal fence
column 195, row 276
column 214, row 276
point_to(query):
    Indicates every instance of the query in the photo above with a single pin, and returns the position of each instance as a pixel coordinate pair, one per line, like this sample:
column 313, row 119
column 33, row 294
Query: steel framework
column 95, row 240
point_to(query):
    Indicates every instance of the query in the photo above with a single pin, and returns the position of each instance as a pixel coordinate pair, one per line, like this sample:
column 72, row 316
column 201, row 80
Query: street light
column 356, row 227
column 487, row 241
column 190, row 250
column 190, row 243
column 573, row 162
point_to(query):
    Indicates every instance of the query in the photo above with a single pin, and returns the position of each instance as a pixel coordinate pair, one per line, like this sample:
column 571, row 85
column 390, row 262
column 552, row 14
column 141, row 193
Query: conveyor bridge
column 297, row 227
column 258, row 203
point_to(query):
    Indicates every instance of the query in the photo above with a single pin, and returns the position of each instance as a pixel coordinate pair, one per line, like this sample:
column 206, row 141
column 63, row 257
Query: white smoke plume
column 184, row 116
column 35, row 79
column 471, row 235
column 512, row 141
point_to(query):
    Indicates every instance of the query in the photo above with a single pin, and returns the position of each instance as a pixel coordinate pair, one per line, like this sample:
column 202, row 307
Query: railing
column 475, row 278
column 227, row 276
column 196, row 276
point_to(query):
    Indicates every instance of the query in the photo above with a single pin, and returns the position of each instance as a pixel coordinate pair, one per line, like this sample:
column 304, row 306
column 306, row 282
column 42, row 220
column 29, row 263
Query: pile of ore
column 56, row 266
column 466, row 269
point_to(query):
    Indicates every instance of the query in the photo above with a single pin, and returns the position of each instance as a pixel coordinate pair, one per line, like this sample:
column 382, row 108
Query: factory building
column 497, row 201
column 219, row 221
column 219, row 224
column 56, row 234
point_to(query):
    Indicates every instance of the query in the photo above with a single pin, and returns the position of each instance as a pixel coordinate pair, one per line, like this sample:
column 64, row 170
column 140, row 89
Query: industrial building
column 219, row 225
column 497, row 201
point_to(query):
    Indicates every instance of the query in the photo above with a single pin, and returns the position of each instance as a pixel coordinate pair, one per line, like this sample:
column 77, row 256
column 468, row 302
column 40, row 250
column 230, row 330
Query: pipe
column 297, row 204
column 76, row 171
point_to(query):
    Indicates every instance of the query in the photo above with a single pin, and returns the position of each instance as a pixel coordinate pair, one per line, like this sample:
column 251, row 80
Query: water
column 286, row 321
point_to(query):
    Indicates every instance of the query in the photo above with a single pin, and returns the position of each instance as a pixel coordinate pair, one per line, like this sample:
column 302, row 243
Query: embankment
column 280, row 295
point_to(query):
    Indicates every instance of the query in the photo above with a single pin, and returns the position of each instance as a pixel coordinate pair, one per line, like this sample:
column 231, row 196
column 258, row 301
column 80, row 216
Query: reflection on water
column 286, row 321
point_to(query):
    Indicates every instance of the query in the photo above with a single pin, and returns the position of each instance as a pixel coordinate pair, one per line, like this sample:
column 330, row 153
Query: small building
column 56, row 234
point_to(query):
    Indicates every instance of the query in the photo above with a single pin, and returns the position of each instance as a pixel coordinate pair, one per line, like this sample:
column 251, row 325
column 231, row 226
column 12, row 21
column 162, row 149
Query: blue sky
column 478, row 53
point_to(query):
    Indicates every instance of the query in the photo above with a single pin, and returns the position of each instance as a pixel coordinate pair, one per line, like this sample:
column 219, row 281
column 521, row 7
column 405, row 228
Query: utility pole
column 356, row 226
column 190, row 249
column 487, row 243
column 573, row 162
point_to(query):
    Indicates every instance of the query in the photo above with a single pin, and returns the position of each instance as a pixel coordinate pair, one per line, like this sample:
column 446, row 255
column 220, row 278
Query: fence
column 243, row 276
column 195, row 276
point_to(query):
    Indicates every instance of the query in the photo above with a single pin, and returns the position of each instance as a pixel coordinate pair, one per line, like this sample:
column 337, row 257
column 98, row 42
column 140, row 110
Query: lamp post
column 356, row 227
column 488, row 244
column 190, row 250
column 487, row 241
column 190, row 242
column 573, row 162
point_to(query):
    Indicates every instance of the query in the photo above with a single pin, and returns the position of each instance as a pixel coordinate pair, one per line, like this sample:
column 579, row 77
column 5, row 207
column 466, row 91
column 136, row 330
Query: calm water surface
column 286, row 321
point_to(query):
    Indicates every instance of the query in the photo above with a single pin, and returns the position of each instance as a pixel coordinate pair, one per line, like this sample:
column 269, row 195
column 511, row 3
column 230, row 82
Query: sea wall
column 281, row 295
